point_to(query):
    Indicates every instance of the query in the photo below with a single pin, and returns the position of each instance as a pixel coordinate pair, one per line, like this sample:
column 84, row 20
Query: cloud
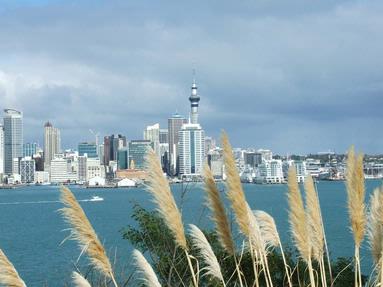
column 272, row 74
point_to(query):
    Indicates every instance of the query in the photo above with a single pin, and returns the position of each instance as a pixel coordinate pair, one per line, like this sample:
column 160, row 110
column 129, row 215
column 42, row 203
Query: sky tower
column 194, row 100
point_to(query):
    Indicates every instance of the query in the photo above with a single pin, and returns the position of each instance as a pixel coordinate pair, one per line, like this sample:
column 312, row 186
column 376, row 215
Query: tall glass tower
column 13, row 138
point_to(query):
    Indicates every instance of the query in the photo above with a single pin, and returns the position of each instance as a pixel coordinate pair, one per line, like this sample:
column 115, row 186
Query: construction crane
column 95, row 134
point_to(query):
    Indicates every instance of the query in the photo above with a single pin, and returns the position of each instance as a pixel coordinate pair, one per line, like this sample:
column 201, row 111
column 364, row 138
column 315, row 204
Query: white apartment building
column 270, row 171
column 191, row 150
column 300, row 168
column 61, row 170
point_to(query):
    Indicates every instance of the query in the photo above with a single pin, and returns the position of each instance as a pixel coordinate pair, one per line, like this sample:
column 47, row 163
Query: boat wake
column 46, row 201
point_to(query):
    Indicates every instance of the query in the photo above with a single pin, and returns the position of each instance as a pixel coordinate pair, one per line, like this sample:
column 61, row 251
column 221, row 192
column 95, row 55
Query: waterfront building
column 137, row 152
column 62, row 170
column 87, row 148
column 111, row 146
column 94, row 169
column 123, row 158
column 175, row 123
column 152, row 133
column 41, row 177
column 191, row 147
column 52, row 143
column 27, row 169
column 300, row 168
column 29, row 149
column 270, row 171
column 164, row 136
column 1, row 149
column 13, row 138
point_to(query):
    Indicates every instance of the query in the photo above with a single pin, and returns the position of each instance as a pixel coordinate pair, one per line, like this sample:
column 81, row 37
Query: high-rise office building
column 123, row 158
column 29, row 149
column 137, row 152
column 175, row 123
column 164, row 136
column 191, row 150
column 111, row 146
column 1, row 149
column 152, row 133
column 191, row 146
column 90, row 149
column 13, row 138
column 27, row 169
column 52, row 143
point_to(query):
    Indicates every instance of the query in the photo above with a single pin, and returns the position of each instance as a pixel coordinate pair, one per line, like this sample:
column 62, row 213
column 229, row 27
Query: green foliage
column 153, row 238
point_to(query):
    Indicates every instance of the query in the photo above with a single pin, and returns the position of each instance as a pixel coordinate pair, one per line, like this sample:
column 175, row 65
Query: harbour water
column 31, row 229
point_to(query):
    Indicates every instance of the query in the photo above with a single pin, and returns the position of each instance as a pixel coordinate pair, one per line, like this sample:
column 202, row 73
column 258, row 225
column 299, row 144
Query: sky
column 292, row 76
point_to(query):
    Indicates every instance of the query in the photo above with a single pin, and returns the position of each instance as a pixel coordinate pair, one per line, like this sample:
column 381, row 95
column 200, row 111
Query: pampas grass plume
column 375, row 227
column 148, row 276
column 268, row 228
column 79, row 280
column 235, row 192
column 200, row 242
column 219, row 214
column 8, row 273
column 159, row 187
column 314, row 219
column 83, row 232
column 297, row 216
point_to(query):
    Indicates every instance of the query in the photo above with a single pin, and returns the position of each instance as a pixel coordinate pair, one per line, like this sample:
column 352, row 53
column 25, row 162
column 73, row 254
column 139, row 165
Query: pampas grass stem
column 83, row 232
column 149, row 277
column 8, row 273
column 315, row 223
column 235, row 192
column 271, row 237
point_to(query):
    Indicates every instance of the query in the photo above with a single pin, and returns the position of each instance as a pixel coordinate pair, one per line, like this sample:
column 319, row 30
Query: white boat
column 96, row 198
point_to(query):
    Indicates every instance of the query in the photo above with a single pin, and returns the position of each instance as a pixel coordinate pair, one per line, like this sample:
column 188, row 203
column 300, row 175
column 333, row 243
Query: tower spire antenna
column 194, row 100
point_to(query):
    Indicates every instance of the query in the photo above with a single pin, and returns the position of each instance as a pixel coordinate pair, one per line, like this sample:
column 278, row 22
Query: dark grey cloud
column 295, row 76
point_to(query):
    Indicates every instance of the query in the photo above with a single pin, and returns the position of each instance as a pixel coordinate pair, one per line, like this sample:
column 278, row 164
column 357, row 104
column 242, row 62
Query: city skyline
column 294, row 80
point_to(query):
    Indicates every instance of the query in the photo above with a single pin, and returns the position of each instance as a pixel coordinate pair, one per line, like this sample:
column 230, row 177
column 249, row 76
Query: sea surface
column 31, row 229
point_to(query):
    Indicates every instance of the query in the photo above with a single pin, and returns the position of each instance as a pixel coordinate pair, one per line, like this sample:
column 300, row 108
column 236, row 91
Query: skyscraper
column 137, row 153
column 192, row 141
column 90, row 149
column 52, row 143
column 111, row 146
column 13, row 138
column 29, row 149
column 164, row 137
column 175, row 123
column 152, row 133
column 191, row 150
